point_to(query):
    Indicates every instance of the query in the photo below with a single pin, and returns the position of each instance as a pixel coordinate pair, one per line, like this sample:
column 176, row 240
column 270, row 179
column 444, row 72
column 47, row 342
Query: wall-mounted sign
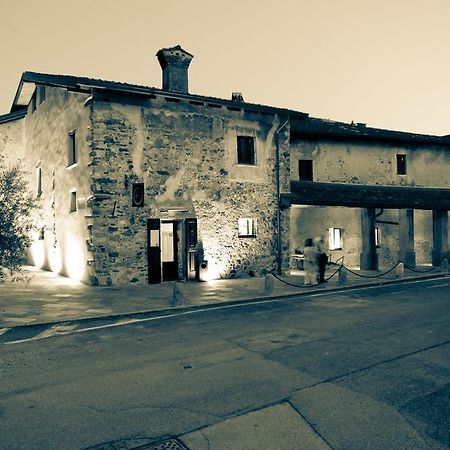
column 137, row 195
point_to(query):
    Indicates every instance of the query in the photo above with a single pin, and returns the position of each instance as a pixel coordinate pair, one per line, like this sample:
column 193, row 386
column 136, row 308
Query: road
column 368, row 368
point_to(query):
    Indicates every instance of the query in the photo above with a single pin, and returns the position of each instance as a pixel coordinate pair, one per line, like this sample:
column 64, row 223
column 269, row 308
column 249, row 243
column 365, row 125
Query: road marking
column 55, row 329
column 436, row 286
column 122, row 322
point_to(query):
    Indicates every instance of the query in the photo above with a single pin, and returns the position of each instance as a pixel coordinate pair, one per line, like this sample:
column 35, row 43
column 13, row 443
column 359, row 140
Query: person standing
column 322, row 257
column 310, row 262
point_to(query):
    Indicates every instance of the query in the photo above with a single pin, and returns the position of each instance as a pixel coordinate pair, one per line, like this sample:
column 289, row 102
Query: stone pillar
column 406, row 251
column 440, row 236
column 368, row 257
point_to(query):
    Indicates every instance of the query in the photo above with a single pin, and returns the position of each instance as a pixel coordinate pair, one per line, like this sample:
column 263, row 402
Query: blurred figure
column 322, row 256
column 310, row 263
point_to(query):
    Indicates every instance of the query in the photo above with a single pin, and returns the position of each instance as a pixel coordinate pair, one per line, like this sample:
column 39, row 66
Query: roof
column 30, row 79
column 315, row 128
column 302, row 126
column 12, row 116
column 366, row 196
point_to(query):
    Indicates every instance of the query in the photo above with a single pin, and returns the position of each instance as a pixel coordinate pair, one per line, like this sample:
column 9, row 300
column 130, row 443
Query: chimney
column 174, row 63
column 237, row 97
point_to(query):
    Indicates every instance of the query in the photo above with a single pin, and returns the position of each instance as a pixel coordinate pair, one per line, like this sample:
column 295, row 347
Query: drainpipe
column 278, row 189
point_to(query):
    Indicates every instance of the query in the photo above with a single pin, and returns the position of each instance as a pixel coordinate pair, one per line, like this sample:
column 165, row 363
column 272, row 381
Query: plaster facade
column 47, row 142
column 373, row 163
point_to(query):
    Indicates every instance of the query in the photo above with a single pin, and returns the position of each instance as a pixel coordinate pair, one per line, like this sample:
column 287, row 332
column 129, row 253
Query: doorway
column 169, row 251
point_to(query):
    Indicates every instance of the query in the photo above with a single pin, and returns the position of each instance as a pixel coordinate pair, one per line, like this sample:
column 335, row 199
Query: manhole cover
column 133, row 444
column 169, row 444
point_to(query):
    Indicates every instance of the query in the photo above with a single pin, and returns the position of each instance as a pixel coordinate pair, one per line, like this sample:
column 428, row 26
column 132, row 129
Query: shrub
column 16, row 206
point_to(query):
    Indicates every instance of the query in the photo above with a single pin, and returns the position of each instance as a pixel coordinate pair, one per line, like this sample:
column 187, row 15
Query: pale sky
column 381, row 62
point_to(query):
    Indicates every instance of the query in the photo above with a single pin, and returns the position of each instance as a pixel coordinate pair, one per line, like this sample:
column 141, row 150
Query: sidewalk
column 51, row 298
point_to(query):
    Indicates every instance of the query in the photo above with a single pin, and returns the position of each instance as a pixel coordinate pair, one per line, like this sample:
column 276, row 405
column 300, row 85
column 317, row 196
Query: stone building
column 138, row 184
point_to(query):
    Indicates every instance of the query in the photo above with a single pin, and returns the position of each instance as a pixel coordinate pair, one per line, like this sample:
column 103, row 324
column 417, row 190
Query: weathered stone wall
column 186, row 156
column 63, row 248
column 372, row 163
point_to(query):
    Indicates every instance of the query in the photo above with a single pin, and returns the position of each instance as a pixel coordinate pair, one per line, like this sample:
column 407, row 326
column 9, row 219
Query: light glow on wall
column 213, row 272
column 38, row 253
column 54, row 258
column 216, row 267
column 74, row 260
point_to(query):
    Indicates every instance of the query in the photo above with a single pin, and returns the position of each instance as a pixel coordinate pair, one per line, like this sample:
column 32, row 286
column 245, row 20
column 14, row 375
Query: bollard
column 342, row 276
column 444, row 266
column 178, row 297
column 400, row 270
column 268, row 284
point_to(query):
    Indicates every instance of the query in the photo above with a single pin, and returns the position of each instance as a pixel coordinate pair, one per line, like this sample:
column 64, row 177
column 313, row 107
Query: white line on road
column 54, row 330
column 123, row 322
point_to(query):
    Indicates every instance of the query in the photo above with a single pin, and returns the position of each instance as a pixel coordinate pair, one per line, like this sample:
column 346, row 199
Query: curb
column 226, row 304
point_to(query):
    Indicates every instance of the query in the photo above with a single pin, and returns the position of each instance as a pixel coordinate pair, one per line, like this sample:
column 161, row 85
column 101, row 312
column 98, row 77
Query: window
column 247, row 227
column 72, row 150
column 246, row 149
column 335, row 238
column 73, row 201
column 401, row 164
column 38, row 181
column 305, row 170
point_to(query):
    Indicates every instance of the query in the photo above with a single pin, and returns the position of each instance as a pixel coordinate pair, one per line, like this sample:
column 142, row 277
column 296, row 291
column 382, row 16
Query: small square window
column 305, row 170
column 401, row 164
column 73, row 201
column 247, row 227
column 335, row 238
column 72, row 148
column 246, row 150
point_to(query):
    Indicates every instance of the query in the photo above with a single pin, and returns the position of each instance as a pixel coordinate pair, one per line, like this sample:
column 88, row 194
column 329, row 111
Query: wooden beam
column 366, row 196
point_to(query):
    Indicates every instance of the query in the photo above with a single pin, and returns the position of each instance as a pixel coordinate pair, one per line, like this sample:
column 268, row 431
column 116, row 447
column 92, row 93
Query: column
column 368, row 257
column 440, row 236
column 406, row 251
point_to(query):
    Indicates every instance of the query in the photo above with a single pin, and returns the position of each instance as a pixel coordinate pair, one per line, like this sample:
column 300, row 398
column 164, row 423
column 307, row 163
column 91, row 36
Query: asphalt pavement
column 328, row 399
column 48, row 298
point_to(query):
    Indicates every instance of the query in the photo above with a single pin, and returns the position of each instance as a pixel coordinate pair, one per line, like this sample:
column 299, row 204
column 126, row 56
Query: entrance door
column 169, row 251
column 154, row 250
column 190, row 227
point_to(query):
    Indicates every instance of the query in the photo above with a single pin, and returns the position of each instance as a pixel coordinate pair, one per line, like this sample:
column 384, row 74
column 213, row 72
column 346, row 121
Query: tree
column 16, row 206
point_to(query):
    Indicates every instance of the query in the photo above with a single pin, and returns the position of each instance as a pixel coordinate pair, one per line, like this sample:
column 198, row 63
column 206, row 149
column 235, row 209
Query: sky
column 385, row 63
